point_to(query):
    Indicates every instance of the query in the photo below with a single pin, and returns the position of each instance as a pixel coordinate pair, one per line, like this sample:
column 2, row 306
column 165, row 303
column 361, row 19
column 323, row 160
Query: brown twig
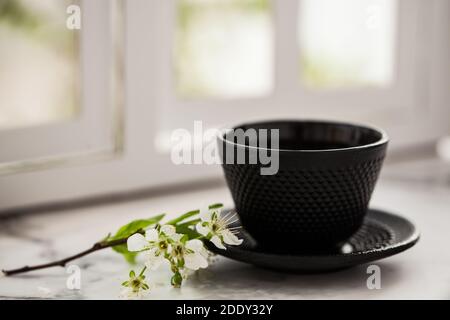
column 62, row 263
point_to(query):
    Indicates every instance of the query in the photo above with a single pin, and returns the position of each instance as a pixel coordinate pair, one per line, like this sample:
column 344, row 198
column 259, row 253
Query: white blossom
column 156, row 243
column 215, row 228
column 135, row 287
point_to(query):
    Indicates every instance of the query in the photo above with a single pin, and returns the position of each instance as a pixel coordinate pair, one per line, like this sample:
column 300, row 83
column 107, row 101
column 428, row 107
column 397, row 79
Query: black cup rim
column 384, row 138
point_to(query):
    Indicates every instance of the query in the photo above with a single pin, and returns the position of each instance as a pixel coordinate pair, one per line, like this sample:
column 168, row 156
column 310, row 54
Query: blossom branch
column 179, row 241
column 62, row 263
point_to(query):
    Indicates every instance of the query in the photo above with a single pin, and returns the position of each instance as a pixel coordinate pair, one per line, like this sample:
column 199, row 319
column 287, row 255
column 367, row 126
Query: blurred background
column 88, row 111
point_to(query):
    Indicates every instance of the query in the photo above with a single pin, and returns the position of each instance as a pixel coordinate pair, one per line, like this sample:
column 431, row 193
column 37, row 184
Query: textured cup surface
column 320, row 194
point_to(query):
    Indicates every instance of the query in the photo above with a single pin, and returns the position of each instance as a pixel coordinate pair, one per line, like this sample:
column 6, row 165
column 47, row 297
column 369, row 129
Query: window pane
column 347, row 43
column 38, row 63
column 223, row 48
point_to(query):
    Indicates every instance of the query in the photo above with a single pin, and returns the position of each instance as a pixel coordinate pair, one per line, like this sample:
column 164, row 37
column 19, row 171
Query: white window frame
column 90, row 131
column 149, row 102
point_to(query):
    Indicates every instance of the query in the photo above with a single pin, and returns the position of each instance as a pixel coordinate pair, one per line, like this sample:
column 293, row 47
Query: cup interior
column 313, row 135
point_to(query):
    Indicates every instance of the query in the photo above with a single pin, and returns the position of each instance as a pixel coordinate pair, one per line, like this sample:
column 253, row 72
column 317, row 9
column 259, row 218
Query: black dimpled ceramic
column 320, row 194
column 381, row 235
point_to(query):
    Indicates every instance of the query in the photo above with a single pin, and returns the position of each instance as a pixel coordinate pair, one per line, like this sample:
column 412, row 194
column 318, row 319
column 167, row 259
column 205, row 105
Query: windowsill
column 45, row 236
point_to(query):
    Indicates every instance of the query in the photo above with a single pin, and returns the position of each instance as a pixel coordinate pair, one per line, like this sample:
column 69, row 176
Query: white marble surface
column 421, row 272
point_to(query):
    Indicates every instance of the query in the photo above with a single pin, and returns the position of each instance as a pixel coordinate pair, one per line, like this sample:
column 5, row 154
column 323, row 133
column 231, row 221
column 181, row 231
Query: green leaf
column 215, row 206
column 184, row 238
column 193, row 213
column 128, row 230
column 130, row 257
column 135, row 226
column 192, row 234
column 190, row 222
column 183, row 217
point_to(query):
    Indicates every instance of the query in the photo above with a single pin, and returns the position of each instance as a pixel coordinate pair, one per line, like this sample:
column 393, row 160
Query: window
column 347, row 43
column 223, row 48
column 56, row 100
column 349, row 59
column 39, row 64
column 98, row 119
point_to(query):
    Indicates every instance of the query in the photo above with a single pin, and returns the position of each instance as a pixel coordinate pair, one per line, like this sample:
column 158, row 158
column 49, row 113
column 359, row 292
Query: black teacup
column 320, row 194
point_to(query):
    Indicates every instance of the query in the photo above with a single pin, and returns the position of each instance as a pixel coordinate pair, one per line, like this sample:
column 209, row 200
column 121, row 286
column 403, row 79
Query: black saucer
column 381, row 235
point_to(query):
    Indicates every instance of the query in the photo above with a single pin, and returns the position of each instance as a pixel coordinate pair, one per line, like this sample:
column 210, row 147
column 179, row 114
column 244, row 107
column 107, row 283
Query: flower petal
column 169, row 249
column 195, row 245
column 203, row 230
column 130, row 294
column 152, row 235
column 230, row 238
column 217, row 242
column 176, row 237
column 153, row 259
column 168, row 230
column 204, row 253
column 195, row 261
column 205, row 215
column 186, row 272
column 136, row 242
